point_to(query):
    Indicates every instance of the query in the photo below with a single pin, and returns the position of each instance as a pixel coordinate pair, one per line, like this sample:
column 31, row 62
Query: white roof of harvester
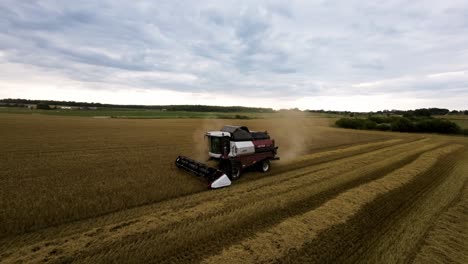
column 218, row 134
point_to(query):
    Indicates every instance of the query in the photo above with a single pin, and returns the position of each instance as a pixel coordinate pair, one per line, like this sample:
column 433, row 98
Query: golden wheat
column 118, row 177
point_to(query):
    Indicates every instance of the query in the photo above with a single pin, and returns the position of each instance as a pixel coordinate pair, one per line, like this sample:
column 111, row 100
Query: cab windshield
column 215, row 145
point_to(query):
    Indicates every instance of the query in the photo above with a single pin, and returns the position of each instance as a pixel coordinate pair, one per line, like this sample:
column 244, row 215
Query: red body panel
column 249, row 160
column 263, row 143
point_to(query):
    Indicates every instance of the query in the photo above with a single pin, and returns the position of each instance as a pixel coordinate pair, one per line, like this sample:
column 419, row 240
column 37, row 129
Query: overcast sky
column 341, row 55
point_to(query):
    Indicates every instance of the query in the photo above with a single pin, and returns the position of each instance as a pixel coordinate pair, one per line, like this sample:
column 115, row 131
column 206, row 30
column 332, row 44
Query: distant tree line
column 189, row 108
column 43, row 106
column 419, row 120
column 330, row 112
column 417, row 112
column 423, row 112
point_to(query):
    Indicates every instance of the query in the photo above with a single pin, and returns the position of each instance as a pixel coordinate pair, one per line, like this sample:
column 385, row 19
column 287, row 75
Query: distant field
column 132, row 113
column 156, row 114
column 127, row 113
column 461, row 120
column 106, row 190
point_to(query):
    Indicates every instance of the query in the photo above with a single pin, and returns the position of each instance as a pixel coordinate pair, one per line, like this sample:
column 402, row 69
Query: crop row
column 294, row 232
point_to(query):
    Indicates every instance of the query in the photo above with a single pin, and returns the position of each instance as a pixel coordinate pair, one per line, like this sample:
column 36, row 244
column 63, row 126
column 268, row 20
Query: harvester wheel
column 235, row 172
column 265, row 166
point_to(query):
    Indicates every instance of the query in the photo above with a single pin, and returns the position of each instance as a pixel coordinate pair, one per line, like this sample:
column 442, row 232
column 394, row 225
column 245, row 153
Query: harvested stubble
column 400, row 238
column 294, row 232
column 390, row 228
column 446, row 241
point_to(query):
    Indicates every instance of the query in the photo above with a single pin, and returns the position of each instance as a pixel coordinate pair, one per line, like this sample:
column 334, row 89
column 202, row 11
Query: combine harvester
column 235, row 148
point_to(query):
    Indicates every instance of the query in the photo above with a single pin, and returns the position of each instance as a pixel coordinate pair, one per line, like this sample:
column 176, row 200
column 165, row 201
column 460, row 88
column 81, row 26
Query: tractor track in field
column 353, row 241
column 191, row 232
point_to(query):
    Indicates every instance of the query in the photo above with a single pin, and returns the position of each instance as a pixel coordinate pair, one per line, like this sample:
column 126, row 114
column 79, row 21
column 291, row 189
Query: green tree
column 403, row 125
column 43, row 106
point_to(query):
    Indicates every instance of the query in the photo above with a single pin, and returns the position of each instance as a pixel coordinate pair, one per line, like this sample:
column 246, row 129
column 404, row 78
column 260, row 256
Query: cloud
column 285, row 52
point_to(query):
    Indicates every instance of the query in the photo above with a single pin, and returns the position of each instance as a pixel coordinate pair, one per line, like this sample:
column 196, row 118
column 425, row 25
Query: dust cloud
column 292, row 131
column 292, row 134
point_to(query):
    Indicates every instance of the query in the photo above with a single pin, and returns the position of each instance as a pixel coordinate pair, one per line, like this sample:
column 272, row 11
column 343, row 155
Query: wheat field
column 82, row 190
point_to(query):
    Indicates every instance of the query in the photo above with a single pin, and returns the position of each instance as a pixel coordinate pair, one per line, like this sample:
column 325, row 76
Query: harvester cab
column 218, row 144
column 235, row 148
